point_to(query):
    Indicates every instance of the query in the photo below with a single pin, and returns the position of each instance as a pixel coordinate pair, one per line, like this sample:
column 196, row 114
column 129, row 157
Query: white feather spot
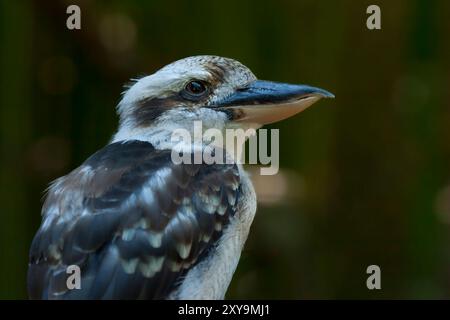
column 209, row 208
column 206, row 238
column 155, row 239
column 184, row 250
column 221, row 209
column 231, row 198
column 54, row 252
column 128, row 234
column 129, row 266
column 150, row 268
column 214, row 200
column 143, row 224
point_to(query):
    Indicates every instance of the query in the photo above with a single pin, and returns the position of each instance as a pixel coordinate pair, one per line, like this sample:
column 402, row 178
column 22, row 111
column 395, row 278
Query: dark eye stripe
column 148, row 110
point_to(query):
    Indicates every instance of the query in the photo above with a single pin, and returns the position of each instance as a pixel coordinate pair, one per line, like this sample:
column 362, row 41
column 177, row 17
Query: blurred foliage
column 369, row 170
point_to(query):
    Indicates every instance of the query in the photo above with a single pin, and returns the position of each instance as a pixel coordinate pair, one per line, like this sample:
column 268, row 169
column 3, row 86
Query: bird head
column 220, row 92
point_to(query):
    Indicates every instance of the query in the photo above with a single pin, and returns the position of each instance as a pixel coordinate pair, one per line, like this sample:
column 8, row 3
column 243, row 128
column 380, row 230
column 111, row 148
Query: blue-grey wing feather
column 133, row 221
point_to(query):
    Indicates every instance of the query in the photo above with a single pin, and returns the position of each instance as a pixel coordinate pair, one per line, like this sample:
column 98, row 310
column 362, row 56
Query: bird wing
column 132, row 221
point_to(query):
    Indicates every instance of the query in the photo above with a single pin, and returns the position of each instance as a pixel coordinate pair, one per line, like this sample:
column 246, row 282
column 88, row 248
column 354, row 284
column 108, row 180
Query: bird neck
column 184, row 131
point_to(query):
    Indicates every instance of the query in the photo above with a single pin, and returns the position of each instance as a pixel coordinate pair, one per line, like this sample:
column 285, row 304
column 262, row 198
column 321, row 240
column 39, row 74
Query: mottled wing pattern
column 133, row 222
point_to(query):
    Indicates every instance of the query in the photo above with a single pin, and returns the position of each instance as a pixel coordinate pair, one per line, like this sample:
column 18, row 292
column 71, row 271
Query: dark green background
column 366, row 176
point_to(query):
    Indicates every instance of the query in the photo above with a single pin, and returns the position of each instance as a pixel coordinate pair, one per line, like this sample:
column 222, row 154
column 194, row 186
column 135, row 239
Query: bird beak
column 264, row 102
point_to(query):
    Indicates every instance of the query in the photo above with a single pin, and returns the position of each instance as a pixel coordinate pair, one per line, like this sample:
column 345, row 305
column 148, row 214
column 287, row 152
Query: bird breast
column 210, row 278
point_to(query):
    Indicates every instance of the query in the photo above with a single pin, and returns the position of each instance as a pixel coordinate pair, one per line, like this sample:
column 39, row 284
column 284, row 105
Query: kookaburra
column 139, row 226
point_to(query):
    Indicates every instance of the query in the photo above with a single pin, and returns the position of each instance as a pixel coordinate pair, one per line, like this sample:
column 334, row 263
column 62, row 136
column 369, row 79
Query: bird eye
column 195, row 87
